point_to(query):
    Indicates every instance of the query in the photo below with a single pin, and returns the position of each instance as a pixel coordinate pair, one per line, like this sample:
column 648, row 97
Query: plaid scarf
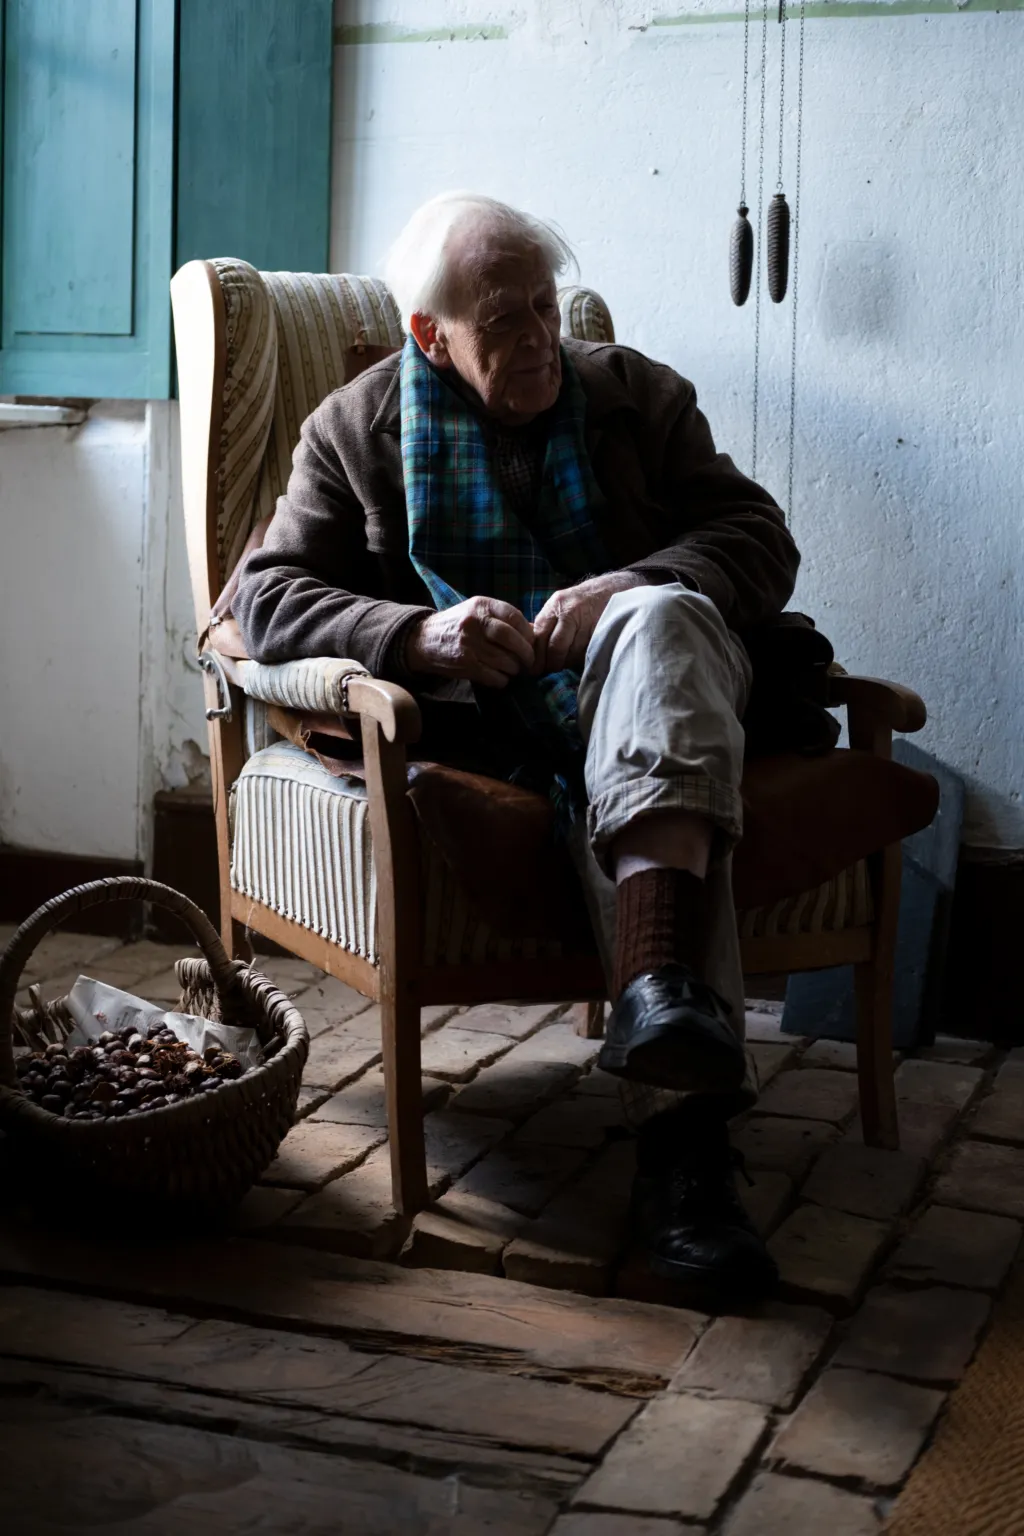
column 464, row 539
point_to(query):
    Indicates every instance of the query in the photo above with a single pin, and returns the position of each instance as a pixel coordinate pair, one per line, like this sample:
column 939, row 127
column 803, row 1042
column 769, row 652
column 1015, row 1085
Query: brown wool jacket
column 333, row 576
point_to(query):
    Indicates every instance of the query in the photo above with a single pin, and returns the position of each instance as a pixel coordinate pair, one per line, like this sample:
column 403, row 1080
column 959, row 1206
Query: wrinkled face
column 503, row 337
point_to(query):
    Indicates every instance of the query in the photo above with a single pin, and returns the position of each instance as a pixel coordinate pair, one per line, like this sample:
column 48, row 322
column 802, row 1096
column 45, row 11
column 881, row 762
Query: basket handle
column 118, row 888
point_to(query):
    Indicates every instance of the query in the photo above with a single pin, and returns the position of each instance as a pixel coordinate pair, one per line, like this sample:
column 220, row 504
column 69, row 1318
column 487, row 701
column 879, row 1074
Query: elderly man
column 540, row 540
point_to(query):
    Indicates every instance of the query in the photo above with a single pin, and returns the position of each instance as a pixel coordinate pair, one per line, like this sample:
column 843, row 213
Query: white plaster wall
column 910, row 453
column 909, row 441
column 174, row 732
column 70, row 607
column 99, row 704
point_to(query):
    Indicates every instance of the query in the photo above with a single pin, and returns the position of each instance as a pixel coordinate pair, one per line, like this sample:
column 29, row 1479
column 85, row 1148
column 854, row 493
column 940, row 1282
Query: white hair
column 416, row 267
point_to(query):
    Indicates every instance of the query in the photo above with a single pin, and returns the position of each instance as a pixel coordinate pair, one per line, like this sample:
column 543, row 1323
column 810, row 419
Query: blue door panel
column 70, row 152
column 98, row 116
column 88, row 181
column 254, row 132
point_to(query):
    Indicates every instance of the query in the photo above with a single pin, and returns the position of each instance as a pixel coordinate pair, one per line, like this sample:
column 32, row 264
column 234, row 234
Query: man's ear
column 429, row 339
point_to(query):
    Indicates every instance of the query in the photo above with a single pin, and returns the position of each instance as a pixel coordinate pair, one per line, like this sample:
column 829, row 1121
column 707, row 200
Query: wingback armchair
column 383, row 875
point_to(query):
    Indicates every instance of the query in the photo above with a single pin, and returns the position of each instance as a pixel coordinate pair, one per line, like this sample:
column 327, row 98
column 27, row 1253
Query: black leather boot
column 687, row 1212
column 671, row 1030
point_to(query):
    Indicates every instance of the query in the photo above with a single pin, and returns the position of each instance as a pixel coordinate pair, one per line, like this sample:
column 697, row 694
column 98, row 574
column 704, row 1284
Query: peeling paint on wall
column 382, row 32
column 845, row 10
column 360, row 34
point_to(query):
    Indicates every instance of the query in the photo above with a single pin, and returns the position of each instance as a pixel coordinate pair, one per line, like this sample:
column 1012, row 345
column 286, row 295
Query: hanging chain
column 757, row 253
column 746, row 78
column 782, row 86
column 795, row 237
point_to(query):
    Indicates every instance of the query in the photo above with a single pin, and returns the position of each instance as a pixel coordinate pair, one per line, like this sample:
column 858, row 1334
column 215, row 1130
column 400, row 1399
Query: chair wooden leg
column 873, row 984
column 588, row 1020
column 227, row 756
column 873, row 980
column 232, row 931
column 400, row 1031
column 240, row 947
column 878, row 1115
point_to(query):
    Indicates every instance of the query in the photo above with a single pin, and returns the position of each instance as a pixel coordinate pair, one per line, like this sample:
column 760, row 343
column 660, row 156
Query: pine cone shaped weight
column 741, row 256
column 778, row 248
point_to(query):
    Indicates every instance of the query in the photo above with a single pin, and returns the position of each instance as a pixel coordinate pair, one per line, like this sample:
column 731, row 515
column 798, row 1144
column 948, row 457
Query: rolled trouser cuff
column 611, row 812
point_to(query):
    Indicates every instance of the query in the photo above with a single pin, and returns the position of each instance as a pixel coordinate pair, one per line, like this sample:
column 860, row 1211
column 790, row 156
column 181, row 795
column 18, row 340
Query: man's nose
column 535, row 332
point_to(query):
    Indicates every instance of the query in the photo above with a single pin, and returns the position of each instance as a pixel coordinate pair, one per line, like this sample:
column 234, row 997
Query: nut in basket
column 123, row 1073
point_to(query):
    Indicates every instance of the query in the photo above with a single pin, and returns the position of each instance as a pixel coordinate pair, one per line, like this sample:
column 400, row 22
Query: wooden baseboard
column 28, row 879
column 185, row 854
column 769, row 986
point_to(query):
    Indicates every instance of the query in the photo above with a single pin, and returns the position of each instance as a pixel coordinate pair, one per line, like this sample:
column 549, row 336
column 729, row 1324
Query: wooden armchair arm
column 393, row 707
column 323, row 685
column 889, row 705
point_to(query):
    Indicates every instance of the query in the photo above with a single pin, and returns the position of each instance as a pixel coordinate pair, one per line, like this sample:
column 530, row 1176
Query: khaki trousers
column 661, row 698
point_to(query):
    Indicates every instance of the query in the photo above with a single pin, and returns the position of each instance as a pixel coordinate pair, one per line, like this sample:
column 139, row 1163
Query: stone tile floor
column 807, row 1416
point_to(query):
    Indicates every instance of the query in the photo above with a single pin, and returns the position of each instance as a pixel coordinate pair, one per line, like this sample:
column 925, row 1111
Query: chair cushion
column 301, row 845
column 499, row 841
column 806, row 819
column 497, row 887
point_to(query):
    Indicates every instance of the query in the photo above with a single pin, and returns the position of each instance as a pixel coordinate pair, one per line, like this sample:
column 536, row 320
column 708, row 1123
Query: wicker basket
column 202, row 1153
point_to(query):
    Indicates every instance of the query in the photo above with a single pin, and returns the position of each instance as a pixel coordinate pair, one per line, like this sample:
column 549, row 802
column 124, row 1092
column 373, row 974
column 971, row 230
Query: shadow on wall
column 858, row 290
column 907, row 526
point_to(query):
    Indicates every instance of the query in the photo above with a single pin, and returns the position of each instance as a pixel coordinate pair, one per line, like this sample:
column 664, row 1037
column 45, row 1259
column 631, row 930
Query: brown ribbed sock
column 661, row 917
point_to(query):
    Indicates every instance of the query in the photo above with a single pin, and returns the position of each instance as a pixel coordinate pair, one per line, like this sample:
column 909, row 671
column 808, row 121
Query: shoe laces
column 665, row 991
column 708, row 1182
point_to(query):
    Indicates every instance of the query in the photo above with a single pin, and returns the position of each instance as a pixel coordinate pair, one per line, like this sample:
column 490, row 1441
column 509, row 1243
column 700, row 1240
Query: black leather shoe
column 695, row 1228
column 670, row 1030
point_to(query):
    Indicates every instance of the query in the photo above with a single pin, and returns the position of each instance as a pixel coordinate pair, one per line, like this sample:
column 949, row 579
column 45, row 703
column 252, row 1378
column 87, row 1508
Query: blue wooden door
column 254, row 132
column 88, row 104
column 89, row 131
column 73, row 90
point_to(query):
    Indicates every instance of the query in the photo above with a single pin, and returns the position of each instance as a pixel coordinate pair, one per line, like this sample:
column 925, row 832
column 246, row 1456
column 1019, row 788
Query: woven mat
column 971, row 1480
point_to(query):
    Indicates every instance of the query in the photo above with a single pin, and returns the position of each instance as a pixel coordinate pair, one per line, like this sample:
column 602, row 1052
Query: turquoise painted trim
column 156, row 198
column 382, row 32
column 137, row 365
column 830, row 10
column 254, row 132
column 850, row 10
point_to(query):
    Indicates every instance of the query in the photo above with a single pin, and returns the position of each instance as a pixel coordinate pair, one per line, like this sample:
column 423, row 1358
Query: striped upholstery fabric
column 585, row 315
column 313, row 684
column 250, row 374
column 301, row 844
column 844, row 902
column 287, row 336
column 455, row 933
column 320, row 316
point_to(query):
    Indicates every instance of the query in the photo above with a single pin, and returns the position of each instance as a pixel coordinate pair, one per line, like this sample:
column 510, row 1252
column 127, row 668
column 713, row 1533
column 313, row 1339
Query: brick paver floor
column 805, row 1417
